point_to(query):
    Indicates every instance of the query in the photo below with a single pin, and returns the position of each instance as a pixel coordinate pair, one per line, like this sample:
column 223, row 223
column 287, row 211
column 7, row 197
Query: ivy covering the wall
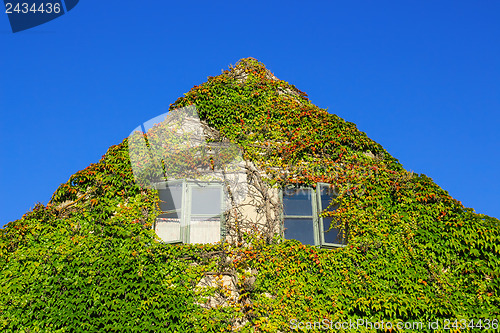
column 89, row 261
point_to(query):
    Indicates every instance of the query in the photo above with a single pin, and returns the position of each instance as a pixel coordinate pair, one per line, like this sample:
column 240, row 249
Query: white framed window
column 191, row 212
column 302, row 218
column 169, row 224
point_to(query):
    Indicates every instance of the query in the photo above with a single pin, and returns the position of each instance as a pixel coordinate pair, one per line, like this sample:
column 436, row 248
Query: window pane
column 204, row 230
column 168, row 227
column 333, row 236
column 297, row 201
column 206, row 200
column 326, row 193
column 300, row 229
column 171, row 197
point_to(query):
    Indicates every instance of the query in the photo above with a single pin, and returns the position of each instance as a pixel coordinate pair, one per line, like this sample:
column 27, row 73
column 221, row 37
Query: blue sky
column 422, row 78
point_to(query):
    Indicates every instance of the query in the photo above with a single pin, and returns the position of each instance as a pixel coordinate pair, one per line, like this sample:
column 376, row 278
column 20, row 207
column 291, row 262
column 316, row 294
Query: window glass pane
column 297, row 201
column 299, row 229
column 168, row 227
column 206, row 200
column 333, row 236
column 326, row 194
column 203, row 230
column 170, row 197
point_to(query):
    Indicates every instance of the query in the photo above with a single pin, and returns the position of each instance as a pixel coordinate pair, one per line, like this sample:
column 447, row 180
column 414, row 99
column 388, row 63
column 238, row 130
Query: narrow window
column 330, row 232
column 205, row 214
column 168, row 223
column 298, row 215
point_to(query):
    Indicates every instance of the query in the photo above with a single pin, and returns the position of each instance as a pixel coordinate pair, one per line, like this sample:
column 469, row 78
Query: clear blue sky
column 422, row 78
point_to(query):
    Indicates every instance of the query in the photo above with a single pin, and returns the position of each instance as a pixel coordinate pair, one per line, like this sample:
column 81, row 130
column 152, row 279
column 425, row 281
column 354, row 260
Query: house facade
column 208, row 192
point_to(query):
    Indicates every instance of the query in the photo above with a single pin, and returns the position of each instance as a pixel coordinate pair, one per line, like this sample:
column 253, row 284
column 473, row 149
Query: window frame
column 186, row 205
